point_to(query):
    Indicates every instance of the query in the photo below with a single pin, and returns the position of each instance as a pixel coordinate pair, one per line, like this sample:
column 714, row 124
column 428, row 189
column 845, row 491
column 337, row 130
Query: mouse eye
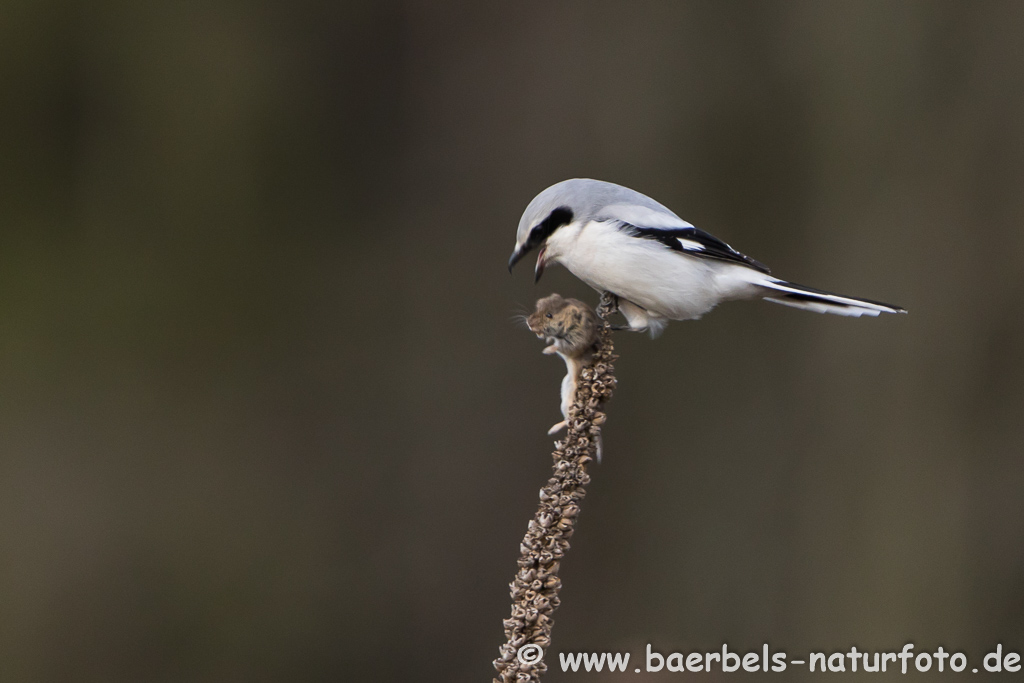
column 548, row 315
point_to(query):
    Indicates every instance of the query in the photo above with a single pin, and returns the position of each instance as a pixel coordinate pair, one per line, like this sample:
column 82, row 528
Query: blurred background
column 265, row 412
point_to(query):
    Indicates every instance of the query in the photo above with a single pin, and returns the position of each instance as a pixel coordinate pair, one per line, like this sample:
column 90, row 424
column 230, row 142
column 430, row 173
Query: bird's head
column 534, row 234
column 549, row 211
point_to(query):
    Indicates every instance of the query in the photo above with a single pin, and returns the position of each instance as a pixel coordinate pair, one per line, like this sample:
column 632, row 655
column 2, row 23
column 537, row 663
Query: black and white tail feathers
column 809, row 299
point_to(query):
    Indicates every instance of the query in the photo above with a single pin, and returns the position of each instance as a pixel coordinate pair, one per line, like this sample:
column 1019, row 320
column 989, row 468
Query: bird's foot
column 609, row 304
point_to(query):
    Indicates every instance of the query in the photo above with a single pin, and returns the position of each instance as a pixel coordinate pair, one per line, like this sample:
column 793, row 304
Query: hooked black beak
column 522, row 251
column 518, row 254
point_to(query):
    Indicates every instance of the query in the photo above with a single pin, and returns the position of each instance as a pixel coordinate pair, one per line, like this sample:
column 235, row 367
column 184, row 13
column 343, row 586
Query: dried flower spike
column 548, row 533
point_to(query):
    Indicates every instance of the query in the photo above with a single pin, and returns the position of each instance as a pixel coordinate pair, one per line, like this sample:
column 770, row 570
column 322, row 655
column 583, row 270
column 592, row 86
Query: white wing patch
column 642, row 216
column 690, row 245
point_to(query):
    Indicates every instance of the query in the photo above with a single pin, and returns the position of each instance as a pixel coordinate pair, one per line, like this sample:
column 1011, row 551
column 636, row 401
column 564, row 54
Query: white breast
column 665, row 282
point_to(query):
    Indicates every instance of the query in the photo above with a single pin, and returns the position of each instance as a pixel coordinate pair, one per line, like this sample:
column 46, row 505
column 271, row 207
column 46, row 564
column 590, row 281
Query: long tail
column 798, row 296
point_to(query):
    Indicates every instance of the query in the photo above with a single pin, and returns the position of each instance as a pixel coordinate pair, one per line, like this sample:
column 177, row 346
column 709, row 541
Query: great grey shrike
column 661, row 267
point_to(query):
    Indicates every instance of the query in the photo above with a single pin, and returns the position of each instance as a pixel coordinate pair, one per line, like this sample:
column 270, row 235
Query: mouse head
column 549, row 320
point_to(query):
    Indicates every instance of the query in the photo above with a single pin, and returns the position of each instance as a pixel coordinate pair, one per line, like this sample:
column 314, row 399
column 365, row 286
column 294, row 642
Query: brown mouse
column 571, row 329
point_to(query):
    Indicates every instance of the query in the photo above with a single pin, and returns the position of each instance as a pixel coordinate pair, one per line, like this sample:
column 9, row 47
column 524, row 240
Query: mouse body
column 571, row 329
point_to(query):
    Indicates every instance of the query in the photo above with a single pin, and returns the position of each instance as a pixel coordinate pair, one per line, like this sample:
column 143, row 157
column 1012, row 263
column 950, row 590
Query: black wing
column 694, row 242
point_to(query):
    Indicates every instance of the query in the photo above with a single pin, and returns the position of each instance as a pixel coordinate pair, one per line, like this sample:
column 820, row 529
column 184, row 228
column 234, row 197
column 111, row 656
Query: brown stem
column 535, row 587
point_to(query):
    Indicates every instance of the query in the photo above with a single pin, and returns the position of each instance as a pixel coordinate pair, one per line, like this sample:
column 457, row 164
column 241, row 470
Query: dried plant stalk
column 535, row 587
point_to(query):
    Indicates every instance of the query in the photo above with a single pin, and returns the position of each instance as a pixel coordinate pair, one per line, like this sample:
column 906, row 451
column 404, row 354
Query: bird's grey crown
column 586, row 198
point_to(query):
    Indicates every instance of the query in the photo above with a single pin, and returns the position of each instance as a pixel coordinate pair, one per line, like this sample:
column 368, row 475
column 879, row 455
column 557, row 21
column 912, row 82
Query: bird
column 659, row 266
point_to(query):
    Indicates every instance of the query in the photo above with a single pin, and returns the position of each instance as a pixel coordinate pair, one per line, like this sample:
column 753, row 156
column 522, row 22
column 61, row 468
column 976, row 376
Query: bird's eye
column 547, row 315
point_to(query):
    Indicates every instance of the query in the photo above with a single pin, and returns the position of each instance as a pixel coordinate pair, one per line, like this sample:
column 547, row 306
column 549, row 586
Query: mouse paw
column 558, row 427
